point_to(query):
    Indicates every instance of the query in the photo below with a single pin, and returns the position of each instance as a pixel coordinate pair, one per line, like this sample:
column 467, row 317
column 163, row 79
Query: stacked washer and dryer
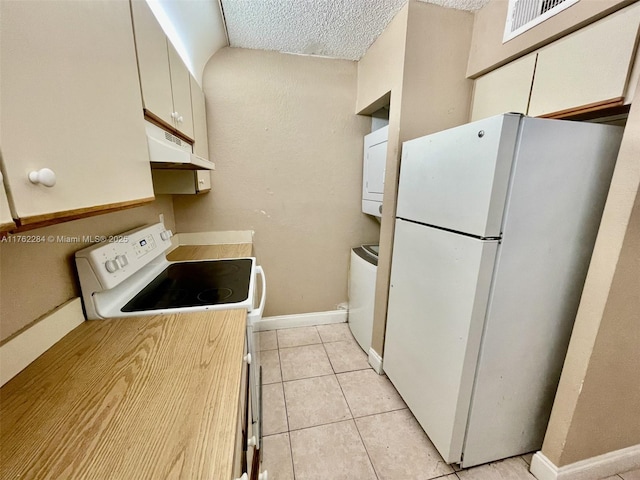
column 364, row 259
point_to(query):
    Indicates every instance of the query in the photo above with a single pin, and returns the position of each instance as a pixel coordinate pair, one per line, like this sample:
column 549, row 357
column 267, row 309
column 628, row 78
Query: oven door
column 255, row 372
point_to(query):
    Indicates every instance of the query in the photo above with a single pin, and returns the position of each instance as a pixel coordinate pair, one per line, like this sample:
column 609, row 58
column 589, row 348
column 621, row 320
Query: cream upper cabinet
column 588, row 67
column 181, row 89
column 503, row 90
column 73, row 139
column 153, row 64
column 164, row 78
column 201, row 142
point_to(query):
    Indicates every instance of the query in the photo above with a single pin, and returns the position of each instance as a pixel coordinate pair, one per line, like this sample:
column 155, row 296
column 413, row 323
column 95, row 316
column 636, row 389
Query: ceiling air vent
column 525, row 14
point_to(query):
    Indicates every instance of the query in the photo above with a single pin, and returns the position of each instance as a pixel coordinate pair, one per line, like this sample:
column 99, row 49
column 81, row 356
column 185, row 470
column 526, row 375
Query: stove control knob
column 122, row 260
column 166, row 235
column 111, row 266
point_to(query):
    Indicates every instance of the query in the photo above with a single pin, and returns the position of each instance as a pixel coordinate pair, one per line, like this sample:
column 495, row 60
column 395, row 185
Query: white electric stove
column 129, row 275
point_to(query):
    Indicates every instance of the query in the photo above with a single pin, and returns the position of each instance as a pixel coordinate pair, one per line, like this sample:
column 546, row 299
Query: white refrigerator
column 496, row 222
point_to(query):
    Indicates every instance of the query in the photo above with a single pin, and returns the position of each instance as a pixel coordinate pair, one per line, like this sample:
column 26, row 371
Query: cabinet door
column 181, row 181
column 181, row 88
column 504, row 90
column 71, row 103
column 588, row 67
column 201, row 142
column 203, row 181
column 153, row 64
column 242, row 432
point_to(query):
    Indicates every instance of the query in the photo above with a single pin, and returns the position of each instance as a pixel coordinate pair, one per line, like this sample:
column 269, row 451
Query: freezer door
column 439, row 289
column 458, row 178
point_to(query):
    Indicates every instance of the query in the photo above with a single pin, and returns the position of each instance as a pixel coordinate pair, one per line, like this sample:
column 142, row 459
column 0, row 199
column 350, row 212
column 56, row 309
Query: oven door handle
column 256, row 313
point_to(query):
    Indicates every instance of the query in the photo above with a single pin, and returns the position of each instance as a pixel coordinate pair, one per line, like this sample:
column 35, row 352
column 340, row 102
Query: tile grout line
column 375, row 472
column 322, row 424
column 353, row 418
column 284, row 397
column 293, row 467
column 332, row 367
column 286, row 410
column 382, row 413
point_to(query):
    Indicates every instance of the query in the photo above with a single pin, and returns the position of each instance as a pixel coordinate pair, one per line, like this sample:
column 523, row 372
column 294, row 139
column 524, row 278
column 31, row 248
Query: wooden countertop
column 148, row 397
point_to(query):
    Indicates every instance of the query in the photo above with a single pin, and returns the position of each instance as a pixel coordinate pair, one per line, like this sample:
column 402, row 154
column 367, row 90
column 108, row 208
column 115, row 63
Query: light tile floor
column 329, row 416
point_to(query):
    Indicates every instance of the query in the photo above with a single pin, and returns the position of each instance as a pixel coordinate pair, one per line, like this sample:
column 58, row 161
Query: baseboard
column 301, row 320
column 375, row 361
column 28, row 345
column 594, row 468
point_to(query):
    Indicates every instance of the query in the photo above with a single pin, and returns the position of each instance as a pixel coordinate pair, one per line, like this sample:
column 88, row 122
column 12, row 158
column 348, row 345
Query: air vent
column 174, row 139
column 525, row 14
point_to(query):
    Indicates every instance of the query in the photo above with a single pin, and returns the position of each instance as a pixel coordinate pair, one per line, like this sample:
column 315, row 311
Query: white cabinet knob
column 44, row 176
column 174, row 115
column 263, row 476
column 252, row 442
column 180, row 119
column 247, row 358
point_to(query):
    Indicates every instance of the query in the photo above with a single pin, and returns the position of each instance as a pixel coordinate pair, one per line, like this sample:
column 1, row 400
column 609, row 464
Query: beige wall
column 380, row 69
column 488, row 51
column 288, row 152
column 597, row 406
column 37, row 277
column 380, row 73
column 421, row 60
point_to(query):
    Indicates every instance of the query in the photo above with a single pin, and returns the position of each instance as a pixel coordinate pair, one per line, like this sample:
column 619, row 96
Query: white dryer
column 373, row 171
column 362, row 288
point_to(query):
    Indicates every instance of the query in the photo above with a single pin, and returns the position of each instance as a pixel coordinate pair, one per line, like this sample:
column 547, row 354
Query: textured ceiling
column 331, row 28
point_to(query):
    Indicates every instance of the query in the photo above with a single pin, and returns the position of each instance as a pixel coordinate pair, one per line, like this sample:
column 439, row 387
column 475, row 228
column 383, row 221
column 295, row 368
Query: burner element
column 214, row 295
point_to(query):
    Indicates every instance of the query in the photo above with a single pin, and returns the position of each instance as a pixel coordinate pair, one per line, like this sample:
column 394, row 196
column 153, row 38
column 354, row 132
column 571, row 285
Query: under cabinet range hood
column 169, row 151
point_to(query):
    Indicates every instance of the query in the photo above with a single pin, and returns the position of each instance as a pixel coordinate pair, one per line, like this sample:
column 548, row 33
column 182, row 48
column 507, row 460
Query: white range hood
column 168, row 151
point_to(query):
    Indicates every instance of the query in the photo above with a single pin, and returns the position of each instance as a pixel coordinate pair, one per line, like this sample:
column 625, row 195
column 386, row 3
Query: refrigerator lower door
column 439, row 291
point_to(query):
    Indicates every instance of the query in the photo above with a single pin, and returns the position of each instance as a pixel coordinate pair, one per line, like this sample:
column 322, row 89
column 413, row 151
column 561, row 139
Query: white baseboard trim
column 594, row 468
column 25, row 347
column 301, row 320
column 375, row 361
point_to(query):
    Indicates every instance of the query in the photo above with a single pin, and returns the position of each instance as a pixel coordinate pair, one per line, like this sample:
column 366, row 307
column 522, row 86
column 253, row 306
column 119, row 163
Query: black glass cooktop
column 192, row 284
